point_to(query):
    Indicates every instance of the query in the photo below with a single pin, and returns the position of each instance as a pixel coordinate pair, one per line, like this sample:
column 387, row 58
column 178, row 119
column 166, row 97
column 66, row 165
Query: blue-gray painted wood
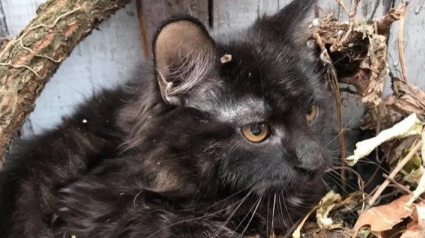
column 114, row 53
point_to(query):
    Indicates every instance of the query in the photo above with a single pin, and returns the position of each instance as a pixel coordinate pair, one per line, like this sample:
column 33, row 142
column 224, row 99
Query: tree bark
column 29, row 60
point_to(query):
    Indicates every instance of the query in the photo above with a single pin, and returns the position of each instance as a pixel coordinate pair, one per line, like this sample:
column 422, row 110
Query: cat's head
column 246, row 110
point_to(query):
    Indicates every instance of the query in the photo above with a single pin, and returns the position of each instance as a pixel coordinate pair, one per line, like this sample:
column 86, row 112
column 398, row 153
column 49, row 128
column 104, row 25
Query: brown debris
column 226, row 58
column 357, row 53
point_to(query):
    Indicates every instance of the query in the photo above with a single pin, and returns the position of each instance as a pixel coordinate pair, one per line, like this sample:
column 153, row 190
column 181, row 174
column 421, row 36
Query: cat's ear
column 291, row 23
column 184, row 55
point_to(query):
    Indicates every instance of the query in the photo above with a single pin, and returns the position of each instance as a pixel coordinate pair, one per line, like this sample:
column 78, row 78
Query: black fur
column 128, row 163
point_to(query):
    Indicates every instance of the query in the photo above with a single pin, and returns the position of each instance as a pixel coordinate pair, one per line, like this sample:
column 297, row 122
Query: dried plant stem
column 341, row 3
column 338, row 44
column 297, row 232
column 333, row 81
column 406, row 159
column 400, row 43
column 353, row 12
column 384, row 23
column 399, row 185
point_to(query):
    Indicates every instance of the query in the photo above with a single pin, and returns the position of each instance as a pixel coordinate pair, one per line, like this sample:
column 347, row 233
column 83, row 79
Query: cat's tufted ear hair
column 290, row 23
column 184, row 56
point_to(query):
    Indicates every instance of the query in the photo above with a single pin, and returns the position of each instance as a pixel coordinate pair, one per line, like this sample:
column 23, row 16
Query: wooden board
column 4, row 32
column 413, row 42
column 114, row 54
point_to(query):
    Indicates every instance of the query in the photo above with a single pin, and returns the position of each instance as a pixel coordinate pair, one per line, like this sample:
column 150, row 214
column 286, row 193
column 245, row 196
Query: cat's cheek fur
column 267, row 170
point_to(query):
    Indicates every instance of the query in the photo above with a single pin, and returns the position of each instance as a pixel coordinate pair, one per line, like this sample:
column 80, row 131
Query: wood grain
column 114, row 54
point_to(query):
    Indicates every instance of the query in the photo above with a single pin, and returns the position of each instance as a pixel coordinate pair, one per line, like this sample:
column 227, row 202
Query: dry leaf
column 411, row 125
column 326, row 204
column 414, row 175
column 405, row 100
column 416, row 228
column 382, row 218
column 397, row 150
column 409, row 97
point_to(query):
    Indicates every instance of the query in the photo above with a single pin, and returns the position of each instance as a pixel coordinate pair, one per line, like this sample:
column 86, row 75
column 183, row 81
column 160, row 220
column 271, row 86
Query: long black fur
column 130, row 164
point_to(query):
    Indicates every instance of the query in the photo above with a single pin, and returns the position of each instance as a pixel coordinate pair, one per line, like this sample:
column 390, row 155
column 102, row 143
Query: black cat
column 203, row 146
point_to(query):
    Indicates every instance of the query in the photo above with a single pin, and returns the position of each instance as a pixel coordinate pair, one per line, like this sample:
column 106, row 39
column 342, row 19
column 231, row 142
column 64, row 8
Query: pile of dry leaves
column 356, row 53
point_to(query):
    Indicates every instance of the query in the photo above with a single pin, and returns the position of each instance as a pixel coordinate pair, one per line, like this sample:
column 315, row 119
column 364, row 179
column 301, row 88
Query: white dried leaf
column 326, row 204
column 411, row 125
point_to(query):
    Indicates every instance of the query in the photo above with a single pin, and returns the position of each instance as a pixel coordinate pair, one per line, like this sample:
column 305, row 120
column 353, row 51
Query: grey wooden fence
column 115, row 52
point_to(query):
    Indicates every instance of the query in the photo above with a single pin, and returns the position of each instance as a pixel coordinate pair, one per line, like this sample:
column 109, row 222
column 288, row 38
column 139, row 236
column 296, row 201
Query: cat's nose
column 311, row 163
column 309, row 155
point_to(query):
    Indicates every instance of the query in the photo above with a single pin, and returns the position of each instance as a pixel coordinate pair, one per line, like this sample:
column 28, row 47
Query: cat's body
column 200, row 148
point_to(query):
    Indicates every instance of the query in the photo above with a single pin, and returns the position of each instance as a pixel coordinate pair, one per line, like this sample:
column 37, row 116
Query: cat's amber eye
column 255, row 132
column 312, row 113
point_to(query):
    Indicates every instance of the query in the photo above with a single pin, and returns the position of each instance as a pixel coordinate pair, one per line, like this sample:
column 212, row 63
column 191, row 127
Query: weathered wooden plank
column 234, row 14
column 413, row 41
column 3, row 26
column 241, row 13
column 114, row 53
column 152, row 13
column 367, row 9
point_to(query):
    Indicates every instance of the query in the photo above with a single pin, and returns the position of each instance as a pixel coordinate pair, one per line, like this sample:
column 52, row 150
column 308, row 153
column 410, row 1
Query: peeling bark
column 30, row 59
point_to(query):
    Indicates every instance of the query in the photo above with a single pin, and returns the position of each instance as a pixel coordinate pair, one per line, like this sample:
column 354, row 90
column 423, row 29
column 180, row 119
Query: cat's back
column 37, row 166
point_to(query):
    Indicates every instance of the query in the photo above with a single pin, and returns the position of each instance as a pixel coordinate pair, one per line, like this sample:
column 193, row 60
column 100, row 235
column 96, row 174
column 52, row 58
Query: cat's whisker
column 374, row 163
column 329, row 188
column 342, row 131
column 246, row 216
column 231, row 215
column 274, row 207
column 348, row 208
column 252, row 217
column 267, row 217
column 335, row 177
column 337, row 180
column 228, row 197
column 287, row 211
column 326, row 184
column 347, row 144
column 333, row 63
column 281, row 212
column 238, row 204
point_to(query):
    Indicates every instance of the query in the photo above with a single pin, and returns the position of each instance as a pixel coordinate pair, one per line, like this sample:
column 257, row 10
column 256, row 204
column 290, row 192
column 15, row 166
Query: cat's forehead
column 261, row 80
column 243, row 110
column 267, row 72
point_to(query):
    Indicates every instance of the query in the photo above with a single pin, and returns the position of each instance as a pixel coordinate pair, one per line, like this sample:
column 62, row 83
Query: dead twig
column 353, row 12
column 400, row 42
column 402, row 163
column 384, row 23
column 338, row 44
column 333, row 80
column 341, row 3
column 400, row 186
